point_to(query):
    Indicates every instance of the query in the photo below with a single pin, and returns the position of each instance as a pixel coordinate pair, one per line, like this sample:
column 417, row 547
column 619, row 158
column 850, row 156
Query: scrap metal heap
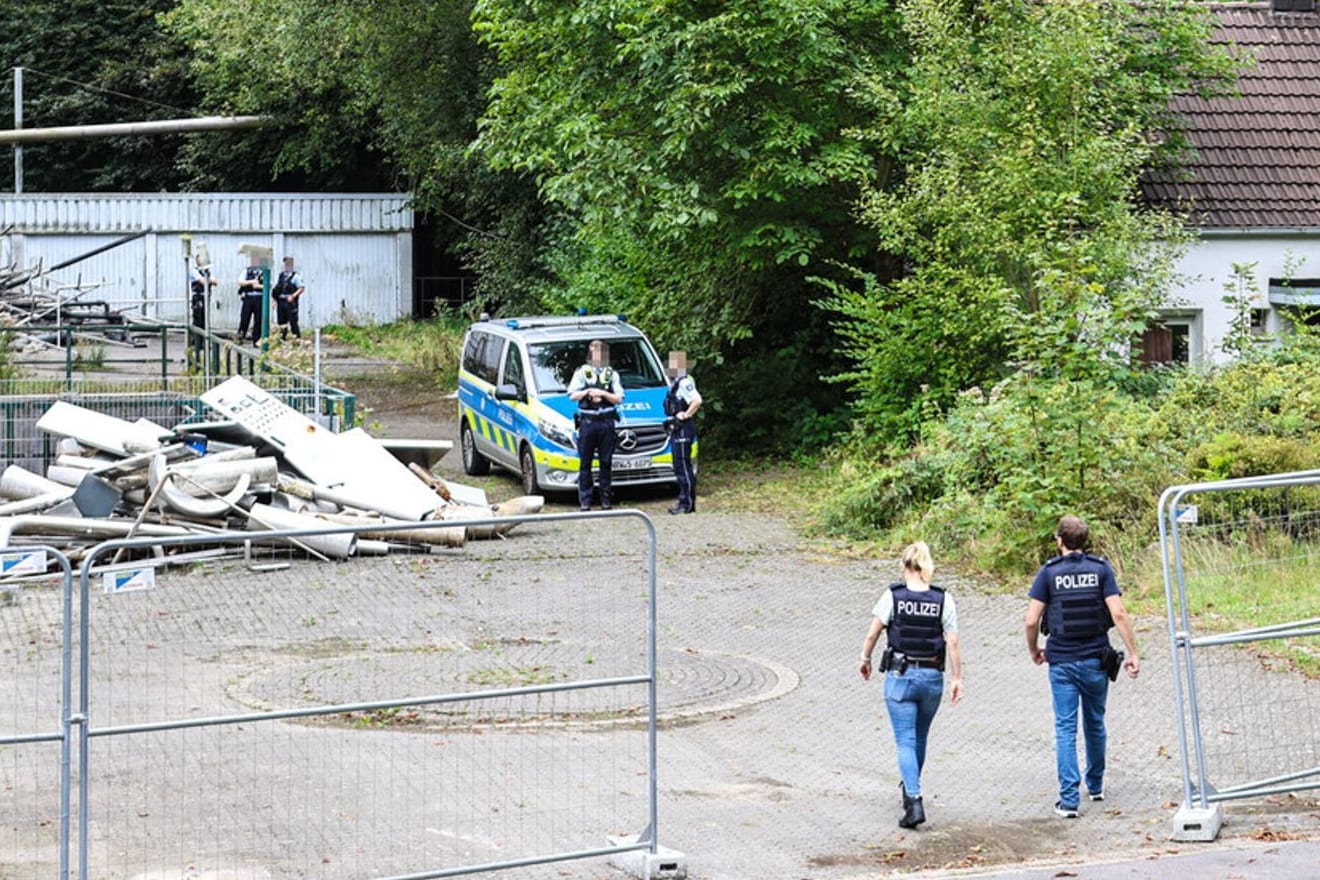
column 261, row 467
column 31, row 297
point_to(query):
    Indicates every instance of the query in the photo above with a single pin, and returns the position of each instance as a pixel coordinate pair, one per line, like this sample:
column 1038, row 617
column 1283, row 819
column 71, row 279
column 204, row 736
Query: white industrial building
column 355, row 251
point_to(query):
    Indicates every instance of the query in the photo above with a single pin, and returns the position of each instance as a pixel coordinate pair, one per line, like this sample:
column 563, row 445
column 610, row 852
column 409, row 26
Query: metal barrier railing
column 1246, row 538
column 40, row 700
column 169, row 396
column 438, row 716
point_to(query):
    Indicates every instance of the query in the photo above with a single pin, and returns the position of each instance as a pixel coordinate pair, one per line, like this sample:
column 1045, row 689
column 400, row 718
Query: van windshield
column 553, row 364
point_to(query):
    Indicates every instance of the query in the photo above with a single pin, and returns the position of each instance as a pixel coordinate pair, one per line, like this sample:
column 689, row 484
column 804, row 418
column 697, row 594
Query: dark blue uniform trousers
column 681, row 441
column 595, row 440
column 251, row 311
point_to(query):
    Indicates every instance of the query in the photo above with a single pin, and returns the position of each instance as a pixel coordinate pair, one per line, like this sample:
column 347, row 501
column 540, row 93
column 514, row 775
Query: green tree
column 705, row 154
column 394, row 86
column 88, row 63
column 1021, row 129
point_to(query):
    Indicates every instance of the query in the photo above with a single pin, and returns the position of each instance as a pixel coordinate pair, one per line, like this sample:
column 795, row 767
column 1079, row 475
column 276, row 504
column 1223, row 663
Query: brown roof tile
column 1258, row 155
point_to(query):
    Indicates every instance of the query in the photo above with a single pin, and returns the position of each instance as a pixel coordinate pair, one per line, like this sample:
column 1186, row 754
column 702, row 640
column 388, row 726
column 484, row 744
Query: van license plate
column 631, row 464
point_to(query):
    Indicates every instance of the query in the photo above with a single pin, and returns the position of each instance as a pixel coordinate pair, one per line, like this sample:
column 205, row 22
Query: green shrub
column 990, row 477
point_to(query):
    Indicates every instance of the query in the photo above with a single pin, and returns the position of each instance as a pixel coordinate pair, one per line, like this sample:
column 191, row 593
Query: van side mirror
column 510, row 392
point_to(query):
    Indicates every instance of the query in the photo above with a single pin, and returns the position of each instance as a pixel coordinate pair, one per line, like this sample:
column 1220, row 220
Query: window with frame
column 513, row 368
column 1168, row 342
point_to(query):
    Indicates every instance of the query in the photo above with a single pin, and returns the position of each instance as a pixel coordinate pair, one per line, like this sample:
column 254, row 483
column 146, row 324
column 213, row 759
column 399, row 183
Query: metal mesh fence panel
column 419, row 713
column 157, row 382
column 1247, row 551
column 34, row 617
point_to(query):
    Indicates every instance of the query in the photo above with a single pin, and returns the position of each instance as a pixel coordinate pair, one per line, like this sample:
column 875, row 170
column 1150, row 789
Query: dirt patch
column 952, row 848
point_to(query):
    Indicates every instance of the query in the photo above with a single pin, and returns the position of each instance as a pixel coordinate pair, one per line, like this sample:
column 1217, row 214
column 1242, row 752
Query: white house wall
column 354, row 251
column 1207, row 268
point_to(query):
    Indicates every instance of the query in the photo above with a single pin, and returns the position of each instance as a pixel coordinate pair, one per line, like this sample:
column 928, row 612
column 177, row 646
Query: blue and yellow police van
column 514, row 410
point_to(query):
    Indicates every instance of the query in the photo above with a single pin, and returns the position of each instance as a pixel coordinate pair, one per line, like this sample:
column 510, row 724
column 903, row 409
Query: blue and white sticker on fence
column 23, row 562
column 128, row 580
column 1186, row 514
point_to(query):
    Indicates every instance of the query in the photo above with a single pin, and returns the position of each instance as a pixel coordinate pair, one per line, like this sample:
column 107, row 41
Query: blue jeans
column 912, row 699
column 1074, row 682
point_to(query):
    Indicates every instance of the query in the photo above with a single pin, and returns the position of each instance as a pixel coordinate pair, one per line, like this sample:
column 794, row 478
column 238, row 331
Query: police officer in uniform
column 287, row 291
column 250, row 290
column 200, row 283
column 598, row 392
column 922, row 622
column 1076, row 596
column 681, row 405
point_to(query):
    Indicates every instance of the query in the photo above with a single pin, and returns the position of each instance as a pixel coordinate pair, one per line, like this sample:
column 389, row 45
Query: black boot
column 913, row 812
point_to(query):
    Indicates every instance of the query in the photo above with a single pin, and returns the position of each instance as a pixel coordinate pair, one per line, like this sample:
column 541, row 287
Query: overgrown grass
column 432, row 348
column 1234, row 584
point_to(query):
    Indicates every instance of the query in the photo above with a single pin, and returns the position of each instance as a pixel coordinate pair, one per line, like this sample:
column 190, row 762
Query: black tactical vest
column 1077, row 609
column 673, row 405
column 602, row 379
column 916, row 629
column 284, row 285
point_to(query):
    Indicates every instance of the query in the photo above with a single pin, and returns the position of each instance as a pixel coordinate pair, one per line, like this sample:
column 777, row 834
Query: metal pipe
column 76, row 525
column 119, row 129
column 102, row 249
column 18, row 124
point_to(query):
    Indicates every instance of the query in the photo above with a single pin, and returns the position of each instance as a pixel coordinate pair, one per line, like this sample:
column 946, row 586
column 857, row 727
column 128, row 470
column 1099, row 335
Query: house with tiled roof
column 1253, row 189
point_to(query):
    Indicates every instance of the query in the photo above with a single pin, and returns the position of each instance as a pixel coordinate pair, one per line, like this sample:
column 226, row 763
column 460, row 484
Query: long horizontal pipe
column 116, row 129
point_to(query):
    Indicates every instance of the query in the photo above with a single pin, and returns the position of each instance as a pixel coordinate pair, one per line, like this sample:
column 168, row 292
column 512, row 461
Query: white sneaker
column 1065, row 812
column 1097, row 795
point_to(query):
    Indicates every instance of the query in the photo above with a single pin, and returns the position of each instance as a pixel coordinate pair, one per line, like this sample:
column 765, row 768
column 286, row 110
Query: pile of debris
column 262, row 466
column 59, row 313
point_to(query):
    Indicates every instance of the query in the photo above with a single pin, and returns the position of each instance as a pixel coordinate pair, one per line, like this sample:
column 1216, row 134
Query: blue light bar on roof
column 527, row 323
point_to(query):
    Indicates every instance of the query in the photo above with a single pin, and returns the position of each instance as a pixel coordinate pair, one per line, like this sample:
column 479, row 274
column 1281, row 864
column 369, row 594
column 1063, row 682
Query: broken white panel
column 97, row 430
column 352, row 463
column 374, row 471
column 340, row 545
column 18, row 483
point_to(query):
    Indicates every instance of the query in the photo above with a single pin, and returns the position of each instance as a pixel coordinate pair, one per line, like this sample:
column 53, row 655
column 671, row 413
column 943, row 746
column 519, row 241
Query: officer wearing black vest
column 596, row 388
column 1075, row 600
column 922, row 622
column 251, row 292
column 681, row 405
column 200, row 283
column 287, row 291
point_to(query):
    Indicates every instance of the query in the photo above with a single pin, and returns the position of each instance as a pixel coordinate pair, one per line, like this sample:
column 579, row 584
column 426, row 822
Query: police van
column 514, row 410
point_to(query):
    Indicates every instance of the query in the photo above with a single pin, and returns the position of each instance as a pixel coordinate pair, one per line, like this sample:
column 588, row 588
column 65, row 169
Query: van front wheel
column 474, row 463
column 527, row 464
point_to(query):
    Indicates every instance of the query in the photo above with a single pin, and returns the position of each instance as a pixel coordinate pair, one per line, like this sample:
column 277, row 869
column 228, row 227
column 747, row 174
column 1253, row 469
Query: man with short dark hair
column 1076, row 596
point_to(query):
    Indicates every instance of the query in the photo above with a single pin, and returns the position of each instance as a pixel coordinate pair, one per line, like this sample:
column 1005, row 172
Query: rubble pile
column 261, row 467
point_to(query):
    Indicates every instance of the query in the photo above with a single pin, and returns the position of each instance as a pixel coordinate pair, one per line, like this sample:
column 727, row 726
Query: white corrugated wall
column 354, row 251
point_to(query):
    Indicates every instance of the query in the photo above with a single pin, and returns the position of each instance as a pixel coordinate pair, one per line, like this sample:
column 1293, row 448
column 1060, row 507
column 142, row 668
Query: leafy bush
column 989, row 478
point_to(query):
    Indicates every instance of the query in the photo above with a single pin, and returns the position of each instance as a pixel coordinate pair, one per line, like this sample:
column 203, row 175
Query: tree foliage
column 1021, row 129
column 88, row 63
column 704, row 153
column 398, row 86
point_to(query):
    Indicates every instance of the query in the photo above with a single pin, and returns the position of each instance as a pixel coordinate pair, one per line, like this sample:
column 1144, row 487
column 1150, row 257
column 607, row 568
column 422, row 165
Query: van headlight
column 555, row 434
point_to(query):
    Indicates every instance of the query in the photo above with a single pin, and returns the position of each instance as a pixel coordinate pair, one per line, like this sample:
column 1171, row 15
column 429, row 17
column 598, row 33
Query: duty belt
column 594, row 415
